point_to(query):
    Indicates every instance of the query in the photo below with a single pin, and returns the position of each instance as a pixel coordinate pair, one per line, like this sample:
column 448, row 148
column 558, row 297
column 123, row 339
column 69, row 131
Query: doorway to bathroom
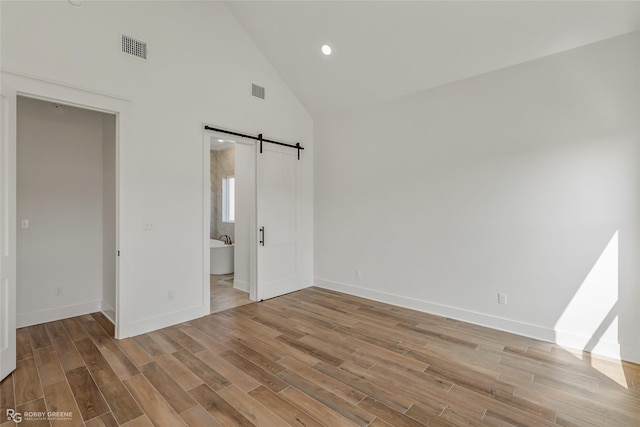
column 271, row 212
column 229, row 206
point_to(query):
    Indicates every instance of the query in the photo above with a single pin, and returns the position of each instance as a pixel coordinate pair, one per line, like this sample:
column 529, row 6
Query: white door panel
column 277, row 221
column 7, row 231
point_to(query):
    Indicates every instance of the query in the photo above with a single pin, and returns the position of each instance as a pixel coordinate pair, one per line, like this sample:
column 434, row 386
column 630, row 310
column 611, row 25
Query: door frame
column 46, row 90
column 206, row 213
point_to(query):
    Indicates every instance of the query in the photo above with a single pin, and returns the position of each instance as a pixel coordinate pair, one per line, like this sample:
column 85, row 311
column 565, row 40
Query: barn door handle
column 261, row 236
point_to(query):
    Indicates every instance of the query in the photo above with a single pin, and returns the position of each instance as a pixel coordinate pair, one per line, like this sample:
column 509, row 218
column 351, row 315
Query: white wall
column 109, row 209
column 200, row 68
column 60, row 192
column 522, row 181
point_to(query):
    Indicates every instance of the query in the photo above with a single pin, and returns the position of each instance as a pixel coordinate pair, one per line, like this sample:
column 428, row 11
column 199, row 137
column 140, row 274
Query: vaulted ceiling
column 388, row 49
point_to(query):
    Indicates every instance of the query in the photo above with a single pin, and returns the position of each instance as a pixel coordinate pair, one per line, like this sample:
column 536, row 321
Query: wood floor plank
column 235, row 375
column 207, row 374
column 23, row 344
column 253, row 410
column 311, row 350
column 180, row 373
column 7, row 396
column 67, row 354
column 105, row 420
column 345, row 351
column 104, row 323
column 207, row 341
column 26, row 382
column 215, row 405
column 315, row 408
column 134, row 352
column 255, row 327
column 513, row 414
column 123, row 406
column 348, row 410
column 256, row 372
column 570, row 421
column 184, row 340
column 387, row 414
column 396, row 401
column 37, row 406
column 258, row 352
column 198, row 417
column 292, row 415
column 167, row 387
column 426, row 417
column 141, row 421
column 286, row 350
column 86, row 393
column 341, row 389
column 377, row 422
column 75, row 329
column 56, row 331
column 48, row 365
column 119, row 362
column 59, row 399
column 147, row 343
column 165, row 343
column 150, row 400
column 39, row 336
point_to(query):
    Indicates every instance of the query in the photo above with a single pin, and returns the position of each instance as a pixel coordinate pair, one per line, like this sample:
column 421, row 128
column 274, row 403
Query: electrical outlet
column 502, row 298
column 170, row 295
column 357, row 273
column 24, row 223
column 58, row 292
column 148, row 224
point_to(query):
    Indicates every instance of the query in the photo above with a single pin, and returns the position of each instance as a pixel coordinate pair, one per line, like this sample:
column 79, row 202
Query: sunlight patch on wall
column 590, row 320
column 591, row 305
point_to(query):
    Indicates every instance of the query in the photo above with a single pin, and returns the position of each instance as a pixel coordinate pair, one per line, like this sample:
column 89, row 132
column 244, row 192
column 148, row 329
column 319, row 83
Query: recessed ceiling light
column 75, row 3
column 221, row 140
column 326, row 49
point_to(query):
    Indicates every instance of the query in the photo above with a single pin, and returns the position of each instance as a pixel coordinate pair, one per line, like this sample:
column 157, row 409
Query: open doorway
column 66, row 210
column 231, row 191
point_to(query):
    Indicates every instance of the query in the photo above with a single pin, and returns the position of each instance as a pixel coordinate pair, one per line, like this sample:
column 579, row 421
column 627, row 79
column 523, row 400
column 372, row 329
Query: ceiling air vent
column 134, row 47
column 257, row 91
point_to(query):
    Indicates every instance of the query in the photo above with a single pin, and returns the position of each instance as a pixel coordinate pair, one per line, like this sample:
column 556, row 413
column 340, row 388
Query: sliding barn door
column 7, row 231
column 277, row 271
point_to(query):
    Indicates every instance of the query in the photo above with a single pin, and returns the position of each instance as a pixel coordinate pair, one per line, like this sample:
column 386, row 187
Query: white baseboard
column 58, row 313
column 109, row 312
column 155, row 323
column 241, row 285
column 603, row 348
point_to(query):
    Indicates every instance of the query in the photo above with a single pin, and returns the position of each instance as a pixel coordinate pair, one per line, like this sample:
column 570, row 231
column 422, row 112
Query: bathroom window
column 229, row 199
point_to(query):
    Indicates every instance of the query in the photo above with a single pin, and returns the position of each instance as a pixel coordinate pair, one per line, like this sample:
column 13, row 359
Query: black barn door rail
column 258, row 138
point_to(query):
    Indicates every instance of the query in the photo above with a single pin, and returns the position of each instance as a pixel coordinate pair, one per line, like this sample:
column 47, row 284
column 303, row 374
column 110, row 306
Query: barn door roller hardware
column 258, row 138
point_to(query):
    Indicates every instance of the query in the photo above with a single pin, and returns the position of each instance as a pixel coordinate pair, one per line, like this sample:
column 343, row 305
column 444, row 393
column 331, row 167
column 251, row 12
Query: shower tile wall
column 222, row 165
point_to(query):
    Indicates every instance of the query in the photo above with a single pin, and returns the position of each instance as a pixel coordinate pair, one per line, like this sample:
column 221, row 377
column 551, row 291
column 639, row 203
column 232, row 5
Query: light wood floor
column 223, row 295
column 311, row 358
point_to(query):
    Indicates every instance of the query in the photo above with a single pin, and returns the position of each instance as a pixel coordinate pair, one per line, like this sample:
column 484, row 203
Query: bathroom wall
column 60, row 190
column 222, row 165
